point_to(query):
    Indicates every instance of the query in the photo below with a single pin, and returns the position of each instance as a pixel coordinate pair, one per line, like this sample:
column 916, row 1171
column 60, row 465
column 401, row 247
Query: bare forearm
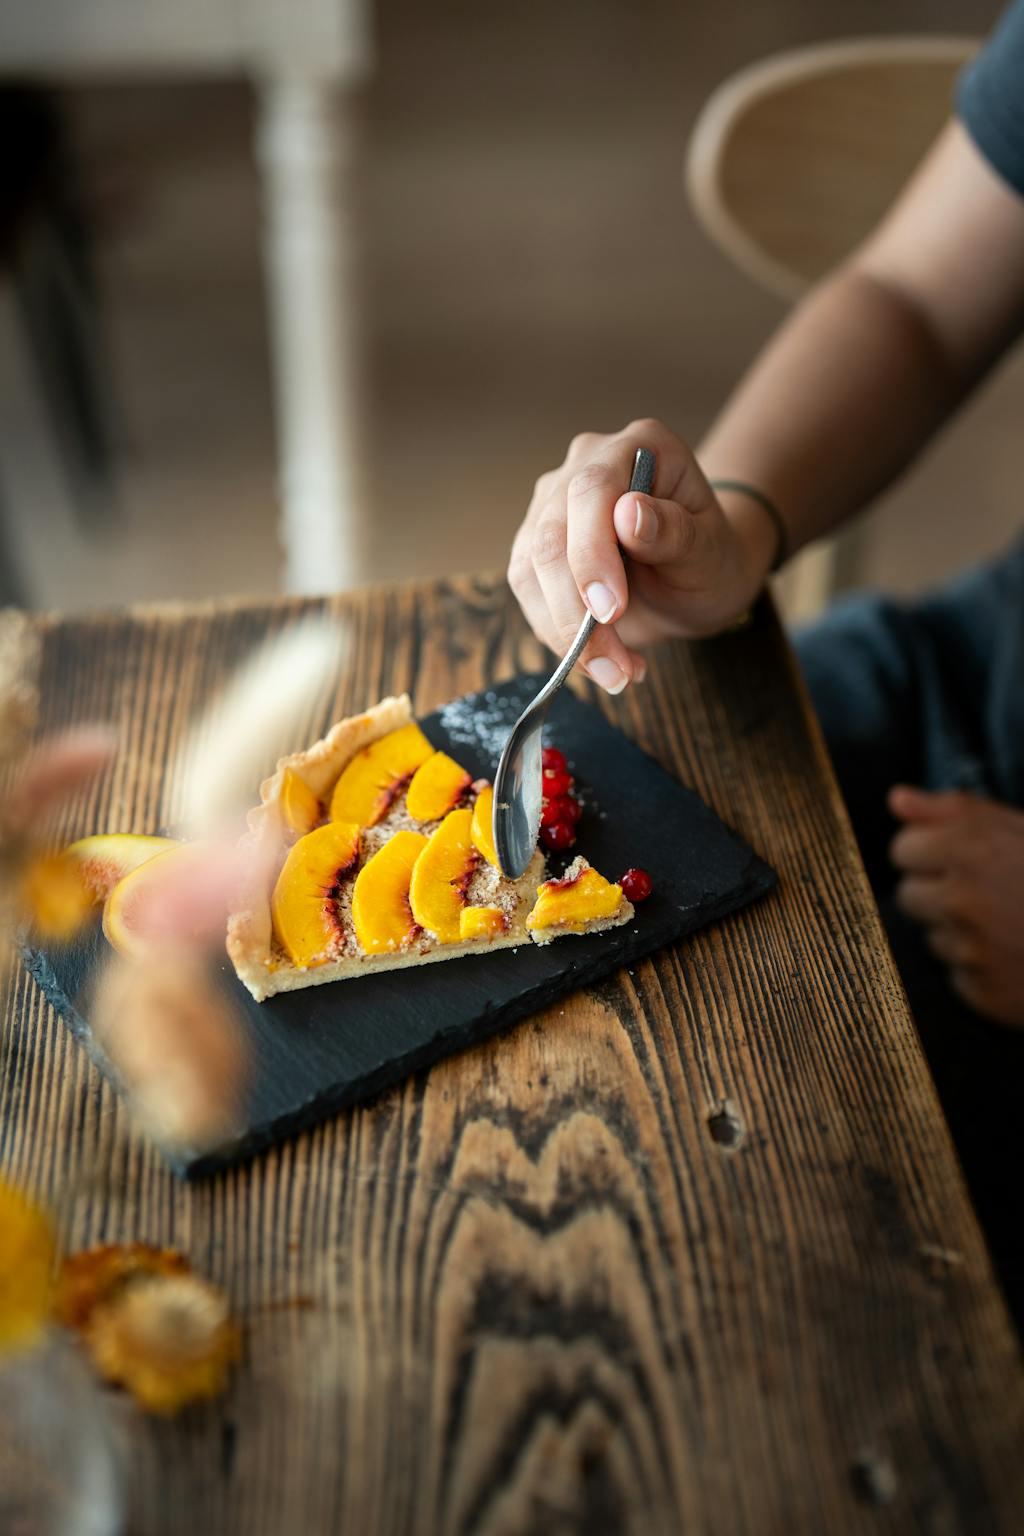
column 840, row 401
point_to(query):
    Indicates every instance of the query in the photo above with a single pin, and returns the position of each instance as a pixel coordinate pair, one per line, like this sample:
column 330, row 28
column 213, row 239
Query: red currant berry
column 551, row 811
column 556, row 782
column 566, row 808
column 637, row 884
column 559, row 836
column 553, row 759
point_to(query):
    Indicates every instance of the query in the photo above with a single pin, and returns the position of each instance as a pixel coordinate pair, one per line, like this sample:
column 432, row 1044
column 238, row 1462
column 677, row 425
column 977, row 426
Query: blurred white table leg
column 307, row 152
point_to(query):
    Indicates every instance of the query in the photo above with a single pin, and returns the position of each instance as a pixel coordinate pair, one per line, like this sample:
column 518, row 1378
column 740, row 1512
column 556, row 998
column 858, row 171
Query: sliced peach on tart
column 299, row 806
column 304, row 905
column 376, row 776
column 441, row 876
column 482, row 923
column 579, row 899
column 482, row 831
column 381, row 914
column 436, row 787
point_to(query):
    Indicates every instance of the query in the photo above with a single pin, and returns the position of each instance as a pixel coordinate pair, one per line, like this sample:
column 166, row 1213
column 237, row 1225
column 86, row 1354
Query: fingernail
column 607, row 675
column 602, row 602
column 646, row 526
column 641, row 672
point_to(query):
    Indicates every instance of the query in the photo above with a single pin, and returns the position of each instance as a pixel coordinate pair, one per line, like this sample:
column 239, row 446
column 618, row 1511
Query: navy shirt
column 990, row 98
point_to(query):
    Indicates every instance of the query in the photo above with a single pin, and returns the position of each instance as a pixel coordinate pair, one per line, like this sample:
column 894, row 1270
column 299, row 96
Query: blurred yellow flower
column 94, row 1276
column 170, row 1341
column 54, row 896
column 149, row 1323
column 26, row 1265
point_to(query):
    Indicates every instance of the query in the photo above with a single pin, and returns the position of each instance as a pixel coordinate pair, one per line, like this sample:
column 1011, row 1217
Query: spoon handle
column 642, row 480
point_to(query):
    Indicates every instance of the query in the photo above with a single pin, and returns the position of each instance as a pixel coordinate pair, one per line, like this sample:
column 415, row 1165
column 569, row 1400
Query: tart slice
column 580, row 901
column 372, row 851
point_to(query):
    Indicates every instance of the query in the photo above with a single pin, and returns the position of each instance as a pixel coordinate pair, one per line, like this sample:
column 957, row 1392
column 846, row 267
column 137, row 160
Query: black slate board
column 321, row 1049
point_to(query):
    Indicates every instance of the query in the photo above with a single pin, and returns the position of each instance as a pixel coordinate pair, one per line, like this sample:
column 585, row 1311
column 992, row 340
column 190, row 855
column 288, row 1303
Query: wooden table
column 691, row 1253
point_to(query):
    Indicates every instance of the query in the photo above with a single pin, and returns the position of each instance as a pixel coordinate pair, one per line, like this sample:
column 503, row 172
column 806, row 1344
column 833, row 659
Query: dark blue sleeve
column 990, row 98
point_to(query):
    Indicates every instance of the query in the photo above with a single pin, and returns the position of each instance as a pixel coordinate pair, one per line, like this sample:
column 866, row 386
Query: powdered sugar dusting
column 487, row 888
column 482, row 721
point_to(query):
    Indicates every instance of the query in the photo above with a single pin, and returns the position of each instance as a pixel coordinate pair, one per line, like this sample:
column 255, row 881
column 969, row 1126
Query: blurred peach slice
column 381, row 914
column 180, row 894
column 375, row 777
column 304, row 903
column 436, row 788
column 437, row 891
column 482, row 827
column 107, row 857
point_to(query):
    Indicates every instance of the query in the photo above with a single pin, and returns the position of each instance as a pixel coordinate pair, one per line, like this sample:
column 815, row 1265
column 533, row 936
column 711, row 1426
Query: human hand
column 962, row 859
column 647, row 567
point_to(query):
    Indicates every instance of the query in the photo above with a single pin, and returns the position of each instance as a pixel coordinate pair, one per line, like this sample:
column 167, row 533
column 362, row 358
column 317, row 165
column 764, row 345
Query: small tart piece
column 376, row 776
column 304, row 903
column 299, row 806
column 381, row 914
column 437, row 787
column 437, row 891
column 482, row 923
column 580, row 900
column 482, row 831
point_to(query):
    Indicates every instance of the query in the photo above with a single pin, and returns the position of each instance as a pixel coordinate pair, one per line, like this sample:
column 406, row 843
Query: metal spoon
column 518, row 784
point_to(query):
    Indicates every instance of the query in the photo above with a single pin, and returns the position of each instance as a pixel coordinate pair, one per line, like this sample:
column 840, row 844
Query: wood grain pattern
column 688, row 1252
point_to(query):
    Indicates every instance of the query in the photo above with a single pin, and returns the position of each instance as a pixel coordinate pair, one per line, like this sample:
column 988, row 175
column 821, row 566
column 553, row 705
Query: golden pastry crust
column 262, row 969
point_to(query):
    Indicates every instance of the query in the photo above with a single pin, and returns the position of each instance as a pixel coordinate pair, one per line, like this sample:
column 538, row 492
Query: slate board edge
column 39, row 968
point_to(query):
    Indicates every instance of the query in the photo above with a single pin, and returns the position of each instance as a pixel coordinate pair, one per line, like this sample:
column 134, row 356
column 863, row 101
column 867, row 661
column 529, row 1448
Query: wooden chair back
column 792, row 163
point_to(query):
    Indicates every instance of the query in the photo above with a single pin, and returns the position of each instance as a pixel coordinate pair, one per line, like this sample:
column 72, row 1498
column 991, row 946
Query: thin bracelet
column 751, row 491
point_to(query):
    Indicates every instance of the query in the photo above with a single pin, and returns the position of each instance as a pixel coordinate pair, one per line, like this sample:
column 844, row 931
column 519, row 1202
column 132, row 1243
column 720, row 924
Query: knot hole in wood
column 726, row 1126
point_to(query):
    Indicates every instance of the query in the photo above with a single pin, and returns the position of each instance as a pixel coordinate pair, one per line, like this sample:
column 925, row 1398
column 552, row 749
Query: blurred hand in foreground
column 680, row 562
column 962, row 859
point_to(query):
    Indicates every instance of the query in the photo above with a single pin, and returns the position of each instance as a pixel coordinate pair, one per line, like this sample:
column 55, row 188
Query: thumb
column 654, row 532
column 910, row 804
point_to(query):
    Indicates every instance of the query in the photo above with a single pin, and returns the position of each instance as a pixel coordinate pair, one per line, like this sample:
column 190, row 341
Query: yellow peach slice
column 437, row 786
column 377, row 774
column 299, row 806
column 133, row 914
column 381, row 914
column 304, row 903
column 483, row 826
column 582, row 897
column 482, row 923
column 106, row 858
column 437, row 892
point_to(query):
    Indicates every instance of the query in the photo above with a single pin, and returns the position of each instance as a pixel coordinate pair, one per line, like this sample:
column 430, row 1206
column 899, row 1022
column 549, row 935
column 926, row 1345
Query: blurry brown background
column 529, row 269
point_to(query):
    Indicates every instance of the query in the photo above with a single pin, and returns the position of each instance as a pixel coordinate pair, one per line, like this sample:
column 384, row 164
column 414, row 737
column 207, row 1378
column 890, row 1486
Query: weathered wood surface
column 553, row 1286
